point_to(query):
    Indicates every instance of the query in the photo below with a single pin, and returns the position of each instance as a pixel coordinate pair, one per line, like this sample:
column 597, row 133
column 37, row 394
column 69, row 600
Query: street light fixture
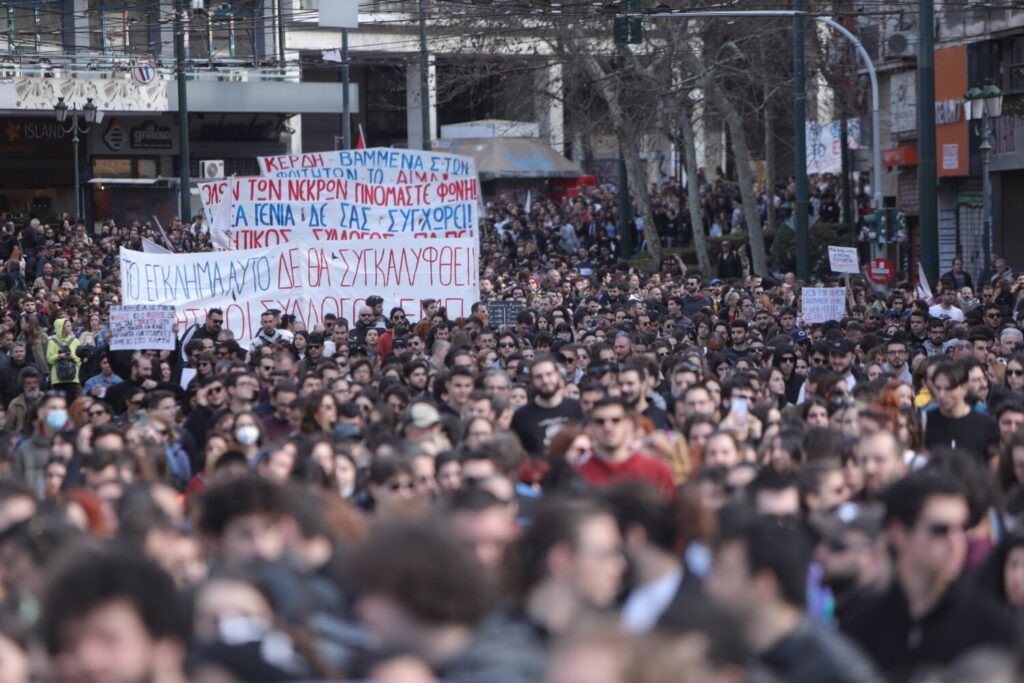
column 61, row 112
column 980, row 104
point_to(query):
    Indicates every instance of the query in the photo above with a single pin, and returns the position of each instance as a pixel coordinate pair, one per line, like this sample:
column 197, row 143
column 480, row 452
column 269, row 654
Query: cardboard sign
column 142, row 327
column 821, row 304
column 843, row 260
column 503, row 313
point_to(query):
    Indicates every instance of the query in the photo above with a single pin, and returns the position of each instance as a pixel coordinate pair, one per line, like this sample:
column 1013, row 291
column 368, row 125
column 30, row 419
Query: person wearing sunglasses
column 929, row 616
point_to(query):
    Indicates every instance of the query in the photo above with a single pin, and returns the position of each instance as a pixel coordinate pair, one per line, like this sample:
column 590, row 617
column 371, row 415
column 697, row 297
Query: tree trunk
column 700, row 240
column 758, row 257
column 741, row 152
column 638, row 188
column 769, row 162
column 629, row 141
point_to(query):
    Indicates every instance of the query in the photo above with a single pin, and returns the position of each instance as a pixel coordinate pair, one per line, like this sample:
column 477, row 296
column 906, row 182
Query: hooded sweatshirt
column 53, row 349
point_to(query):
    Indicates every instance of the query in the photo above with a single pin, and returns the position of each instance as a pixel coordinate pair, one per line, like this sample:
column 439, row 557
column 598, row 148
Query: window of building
column 33, row 25
column 121, row 27
column 227, row 32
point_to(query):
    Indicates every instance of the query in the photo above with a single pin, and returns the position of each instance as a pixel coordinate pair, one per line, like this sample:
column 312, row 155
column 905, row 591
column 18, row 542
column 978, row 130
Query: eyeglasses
column 215, row 390
column 215, row 322
column 398, row 316
column 993, row 315
column 787, row 359
column 134, row 404
column 507, row 345
column 1015, row 373
column 897, row 352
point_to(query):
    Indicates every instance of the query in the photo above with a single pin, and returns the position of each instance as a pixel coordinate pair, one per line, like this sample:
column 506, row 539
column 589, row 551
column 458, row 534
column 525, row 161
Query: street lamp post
column 981, row 104
column 61, row 111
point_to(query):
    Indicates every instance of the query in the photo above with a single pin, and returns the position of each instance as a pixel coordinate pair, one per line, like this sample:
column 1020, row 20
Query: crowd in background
column 645, row 476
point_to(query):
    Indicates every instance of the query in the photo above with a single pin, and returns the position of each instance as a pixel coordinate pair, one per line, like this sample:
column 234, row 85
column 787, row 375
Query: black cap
column 842, row 347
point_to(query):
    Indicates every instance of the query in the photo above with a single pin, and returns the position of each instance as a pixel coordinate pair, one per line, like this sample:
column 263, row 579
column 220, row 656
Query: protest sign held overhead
column 345, row 195
column 378, row 165
column 843, row 260
column 142, row 327
column 821, row 304
column 503, row 313
column 306, row 279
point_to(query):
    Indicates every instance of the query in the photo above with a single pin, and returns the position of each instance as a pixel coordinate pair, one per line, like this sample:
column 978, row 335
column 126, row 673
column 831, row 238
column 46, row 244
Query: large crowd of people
column 646, row 477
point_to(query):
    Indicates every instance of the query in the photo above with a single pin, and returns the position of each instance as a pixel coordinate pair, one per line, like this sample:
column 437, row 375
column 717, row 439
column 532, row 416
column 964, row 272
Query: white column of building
column 413, row 117
column 549, row 107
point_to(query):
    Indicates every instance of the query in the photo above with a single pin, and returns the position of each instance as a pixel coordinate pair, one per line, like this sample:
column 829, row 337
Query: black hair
column 638, row 504
column 425, row 569
column 91, row 580
column 233, row 498
column 556, row 520
column 906, row 498
column 782, row 550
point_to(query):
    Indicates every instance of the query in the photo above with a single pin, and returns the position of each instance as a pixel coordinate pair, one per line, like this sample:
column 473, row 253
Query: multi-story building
column 242, row 94
column 976, row 44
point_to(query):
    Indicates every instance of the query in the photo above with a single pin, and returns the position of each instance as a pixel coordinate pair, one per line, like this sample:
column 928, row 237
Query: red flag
column 361, row 142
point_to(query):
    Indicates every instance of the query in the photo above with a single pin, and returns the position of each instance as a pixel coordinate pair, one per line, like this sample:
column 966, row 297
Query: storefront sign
column 33, row 137
column 151, row 136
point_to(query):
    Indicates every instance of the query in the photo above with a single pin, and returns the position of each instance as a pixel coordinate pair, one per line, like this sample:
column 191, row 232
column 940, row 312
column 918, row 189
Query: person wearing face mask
column 248, row 434
column 30, row 458
column 17, row 417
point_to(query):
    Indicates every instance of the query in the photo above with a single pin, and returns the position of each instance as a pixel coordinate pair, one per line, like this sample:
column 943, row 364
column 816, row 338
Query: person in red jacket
column 611, row 427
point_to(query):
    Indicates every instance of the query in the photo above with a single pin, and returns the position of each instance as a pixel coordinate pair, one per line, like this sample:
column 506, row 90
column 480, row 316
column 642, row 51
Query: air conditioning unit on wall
column 211, row 169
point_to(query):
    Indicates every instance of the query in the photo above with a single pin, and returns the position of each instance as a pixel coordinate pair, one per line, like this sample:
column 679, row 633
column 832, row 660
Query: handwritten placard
column 142, row 327
column 503, row 313
column 821, row 304
column 843, row 260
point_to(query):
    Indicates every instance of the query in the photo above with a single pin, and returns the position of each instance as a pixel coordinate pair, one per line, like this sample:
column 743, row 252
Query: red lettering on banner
column 262, row 190
column 286, row 269
column 287, row 163
column 317, row 190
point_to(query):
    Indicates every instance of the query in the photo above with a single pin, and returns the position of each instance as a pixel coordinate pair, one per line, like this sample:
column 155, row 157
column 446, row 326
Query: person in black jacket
column 730, row 267
column 759, row 576
column 929, row 616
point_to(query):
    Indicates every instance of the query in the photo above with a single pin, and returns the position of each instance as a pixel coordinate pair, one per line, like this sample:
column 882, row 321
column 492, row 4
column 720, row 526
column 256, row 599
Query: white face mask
column 247, row 435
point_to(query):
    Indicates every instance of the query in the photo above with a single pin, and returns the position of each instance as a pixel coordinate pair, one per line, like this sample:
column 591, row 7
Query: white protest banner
column 824, row 144
column 146, row 326
column 264, row 212
column 307, row 279
column 151, row 247
column 377, row 165
column 821, row 304
column 843, row 260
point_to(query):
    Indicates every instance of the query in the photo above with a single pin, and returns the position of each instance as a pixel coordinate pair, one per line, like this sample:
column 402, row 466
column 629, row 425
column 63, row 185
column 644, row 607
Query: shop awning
column 510, row 158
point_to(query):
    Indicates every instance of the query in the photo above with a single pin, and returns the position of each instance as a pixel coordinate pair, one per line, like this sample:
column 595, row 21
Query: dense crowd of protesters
column 648, row 477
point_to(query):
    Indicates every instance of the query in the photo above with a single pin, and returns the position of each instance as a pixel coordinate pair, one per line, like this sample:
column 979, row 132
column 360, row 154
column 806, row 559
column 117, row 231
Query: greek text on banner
column 306, row 279
column 380, row 165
